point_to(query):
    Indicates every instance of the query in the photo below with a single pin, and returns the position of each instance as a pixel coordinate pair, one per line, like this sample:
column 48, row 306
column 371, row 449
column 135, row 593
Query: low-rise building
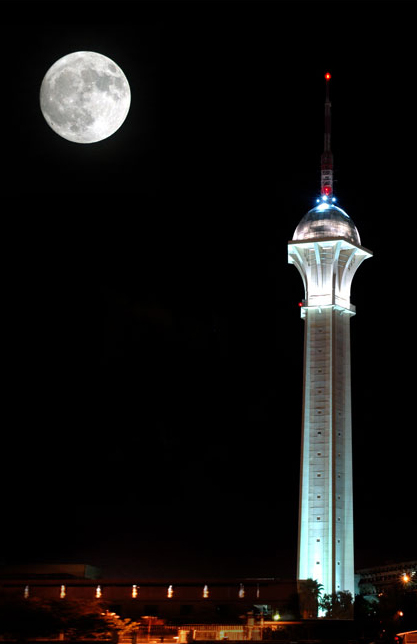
column 177, row 601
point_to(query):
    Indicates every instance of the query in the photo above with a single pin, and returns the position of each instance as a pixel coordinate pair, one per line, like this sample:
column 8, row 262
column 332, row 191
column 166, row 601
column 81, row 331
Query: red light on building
column 327, row 190
column 300, row 304
column 327, row 76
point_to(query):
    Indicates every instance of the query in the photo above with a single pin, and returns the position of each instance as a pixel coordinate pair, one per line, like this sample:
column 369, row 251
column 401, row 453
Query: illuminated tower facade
column 327, row 251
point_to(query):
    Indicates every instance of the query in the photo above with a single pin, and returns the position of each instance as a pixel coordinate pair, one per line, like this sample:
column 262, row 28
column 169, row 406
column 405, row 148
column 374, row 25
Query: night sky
column 152, row 342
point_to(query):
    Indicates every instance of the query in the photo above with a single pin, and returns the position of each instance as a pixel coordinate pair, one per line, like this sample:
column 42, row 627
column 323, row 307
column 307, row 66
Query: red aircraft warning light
column 327, row 76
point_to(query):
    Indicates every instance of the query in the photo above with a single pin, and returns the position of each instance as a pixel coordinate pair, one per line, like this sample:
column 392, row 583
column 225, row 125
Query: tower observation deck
column 327, row 251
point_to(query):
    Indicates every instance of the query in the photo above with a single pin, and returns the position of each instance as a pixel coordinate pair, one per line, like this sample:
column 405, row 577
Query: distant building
column 371, row 582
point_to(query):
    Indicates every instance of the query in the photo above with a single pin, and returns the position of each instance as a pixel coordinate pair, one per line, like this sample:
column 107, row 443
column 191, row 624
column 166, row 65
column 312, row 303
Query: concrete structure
column 327, row 251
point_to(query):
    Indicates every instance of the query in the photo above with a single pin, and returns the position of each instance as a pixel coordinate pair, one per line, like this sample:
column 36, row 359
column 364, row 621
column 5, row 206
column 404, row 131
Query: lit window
column 62, row 592
column 98, row 592
column 134, row 591
column 170, row 592
column 26, row 592
column 241, row 591
column 205, row 592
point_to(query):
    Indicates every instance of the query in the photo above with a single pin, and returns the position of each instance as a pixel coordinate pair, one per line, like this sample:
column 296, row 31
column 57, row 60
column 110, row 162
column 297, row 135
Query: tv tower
column 327, row 251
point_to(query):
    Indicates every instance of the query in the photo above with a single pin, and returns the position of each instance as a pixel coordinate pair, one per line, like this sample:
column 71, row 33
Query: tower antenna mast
column 327, row 156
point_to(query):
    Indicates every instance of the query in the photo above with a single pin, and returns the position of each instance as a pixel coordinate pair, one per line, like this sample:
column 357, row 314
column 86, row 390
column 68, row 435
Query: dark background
column 152, row 373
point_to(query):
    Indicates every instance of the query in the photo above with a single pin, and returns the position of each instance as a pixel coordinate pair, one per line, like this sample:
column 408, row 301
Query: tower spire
column 327, row 156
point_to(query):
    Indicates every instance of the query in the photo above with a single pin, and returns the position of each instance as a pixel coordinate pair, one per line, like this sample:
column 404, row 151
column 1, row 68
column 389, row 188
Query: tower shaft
column 326, row 503
column 325, row 541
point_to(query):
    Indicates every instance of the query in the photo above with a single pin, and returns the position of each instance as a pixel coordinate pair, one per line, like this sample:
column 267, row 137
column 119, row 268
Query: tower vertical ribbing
column 327, row 252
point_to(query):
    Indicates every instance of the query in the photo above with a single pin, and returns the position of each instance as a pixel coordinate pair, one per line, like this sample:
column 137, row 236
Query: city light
column 62, row 592
column 98, row 592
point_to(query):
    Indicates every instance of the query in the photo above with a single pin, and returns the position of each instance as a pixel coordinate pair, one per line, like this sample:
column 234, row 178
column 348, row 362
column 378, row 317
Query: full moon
column 85, row 97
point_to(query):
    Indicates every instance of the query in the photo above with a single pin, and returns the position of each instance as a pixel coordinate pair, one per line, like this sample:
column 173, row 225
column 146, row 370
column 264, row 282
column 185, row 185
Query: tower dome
column 327, row 220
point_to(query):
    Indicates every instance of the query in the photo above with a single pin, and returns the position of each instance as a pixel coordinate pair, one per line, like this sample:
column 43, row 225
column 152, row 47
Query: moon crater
column 85, row 97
